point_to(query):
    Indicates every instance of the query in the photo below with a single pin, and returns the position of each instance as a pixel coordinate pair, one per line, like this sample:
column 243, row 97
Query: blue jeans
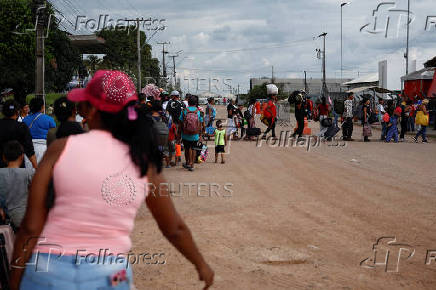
column 384, row 131
column 68, row 273
column 422, row 132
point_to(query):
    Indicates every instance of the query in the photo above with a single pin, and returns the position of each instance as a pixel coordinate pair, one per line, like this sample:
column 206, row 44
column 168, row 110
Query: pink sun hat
column 108, row 91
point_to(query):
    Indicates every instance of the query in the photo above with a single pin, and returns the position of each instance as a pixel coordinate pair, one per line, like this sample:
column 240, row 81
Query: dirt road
column 290, row 218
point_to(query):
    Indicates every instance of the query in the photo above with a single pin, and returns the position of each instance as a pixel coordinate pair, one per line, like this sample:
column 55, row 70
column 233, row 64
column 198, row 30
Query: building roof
column 371, row 78
column 423, row 74
column 88, row 44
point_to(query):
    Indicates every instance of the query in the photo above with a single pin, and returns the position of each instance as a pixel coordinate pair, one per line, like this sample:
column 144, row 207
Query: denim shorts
column 69, row 272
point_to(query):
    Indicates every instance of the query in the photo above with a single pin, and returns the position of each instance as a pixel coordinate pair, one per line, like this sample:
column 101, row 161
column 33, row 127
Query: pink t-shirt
column 97, row 194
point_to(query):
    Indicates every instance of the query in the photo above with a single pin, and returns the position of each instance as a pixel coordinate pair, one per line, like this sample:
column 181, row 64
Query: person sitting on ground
column 14, row 182
column 220, row 141
column 65, row 111
column 190, row 130
column 393, row 126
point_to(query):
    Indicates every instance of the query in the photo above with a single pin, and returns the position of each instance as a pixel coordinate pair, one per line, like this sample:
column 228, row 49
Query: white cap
column 272, row 89
column 175, row 93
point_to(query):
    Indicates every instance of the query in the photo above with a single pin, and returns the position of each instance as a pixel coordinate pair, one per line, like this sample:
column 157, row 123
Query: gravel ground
column 292, row 218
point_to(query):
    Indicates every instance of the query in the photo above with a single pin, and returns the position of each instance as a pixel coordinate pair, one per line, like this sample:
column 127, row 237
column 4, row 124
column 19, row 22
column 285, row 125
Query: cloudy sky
column 233, row 41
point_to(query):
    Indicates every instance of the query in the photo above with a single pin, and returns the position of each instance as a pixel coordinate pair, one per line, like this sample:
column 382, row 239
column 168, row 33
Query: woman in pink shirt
column 100, row 179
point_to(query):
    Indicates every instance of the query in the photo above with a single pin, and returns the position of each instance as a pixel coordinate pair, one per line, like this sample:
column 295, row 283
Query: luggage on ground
column 331, row 132
column 253, row 132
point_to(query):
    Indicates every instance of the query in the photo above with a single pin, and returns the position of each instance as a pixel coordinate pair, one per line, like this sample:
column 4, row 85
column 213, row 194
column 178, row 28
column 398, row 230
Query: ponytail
column 138, row 133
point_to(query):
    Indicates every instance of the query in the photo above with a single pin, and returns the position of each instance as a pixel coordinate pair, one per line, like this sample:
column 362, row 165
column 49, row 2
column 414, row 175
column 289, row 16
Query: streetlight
column 342, row 5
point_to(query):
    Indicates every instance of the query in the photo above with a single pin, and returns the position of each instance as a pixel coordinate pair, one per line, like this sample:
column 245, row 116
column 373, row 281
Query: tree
column 260, row 92
column 92, row 63
column 121, row 53
column 430, row 62
column 17, row 51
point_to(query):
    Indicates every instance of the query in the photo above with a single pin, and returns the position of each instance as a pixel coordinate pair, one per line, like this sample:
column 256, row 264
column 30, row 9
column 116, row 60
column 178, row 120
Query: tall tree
column 430, row 62
column 121, row 53
column 17, row 51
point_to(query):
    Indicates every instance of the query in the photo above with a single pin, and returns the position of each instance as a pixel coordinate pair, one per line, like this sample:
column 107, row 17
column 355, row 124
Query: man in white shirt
column 347, row 127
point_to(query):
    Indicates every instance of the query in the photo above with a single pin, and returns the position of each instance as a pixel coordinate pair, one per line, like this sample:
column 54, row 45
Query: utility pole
column 272, row 74
column 305, row 83
column 342, row 68
column 324, row 85
column 164, row 69
column 406, row 55
column 138, row 46
column 177, row 54
column 39, row 53
column 138, row 43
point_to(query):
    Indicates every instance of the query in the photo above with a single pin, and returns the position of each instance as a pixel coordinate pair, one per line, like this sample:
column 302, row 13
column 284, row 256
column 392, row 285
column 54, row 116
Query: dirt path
column 298, row 219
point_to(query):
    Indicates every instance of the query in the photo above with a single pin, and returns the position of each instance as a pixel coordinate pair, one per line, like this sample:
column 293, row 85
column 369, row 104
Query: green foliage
column 259, row 92
column 121, row 53
column 430, row 62
column 17, row 51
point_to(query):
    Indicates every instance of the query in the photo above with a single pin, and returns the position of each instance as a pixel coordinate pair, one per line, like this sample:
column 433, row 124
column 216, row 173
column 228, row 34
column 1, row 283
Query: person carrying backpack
column 175, row 106
column 160, row 126
column 190, row 129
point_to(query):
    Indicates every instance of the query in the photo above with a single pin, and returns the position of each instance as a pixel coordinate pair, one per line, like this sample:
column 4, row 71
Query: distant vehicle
column 202, row 101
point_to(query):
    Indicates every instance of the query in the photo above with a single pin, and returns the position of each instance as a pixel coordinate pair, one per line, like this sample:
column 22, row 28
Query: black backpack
column 247, row 115
column 175, row 109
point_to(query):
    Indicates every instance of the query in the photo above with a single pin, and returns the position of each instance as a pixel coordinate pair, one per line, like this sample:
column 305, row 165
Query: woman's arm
column 36, row 213
column 173, row 227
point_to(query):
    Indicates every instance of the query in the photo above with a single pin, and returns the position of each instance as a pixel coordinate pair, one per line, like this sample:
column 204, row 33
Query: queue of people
column 115, row 161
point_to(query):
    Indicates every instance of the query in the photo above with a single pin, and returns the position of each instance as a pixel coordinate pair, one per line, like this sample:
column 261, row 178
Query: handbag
column 367, row 130
column 327, row 122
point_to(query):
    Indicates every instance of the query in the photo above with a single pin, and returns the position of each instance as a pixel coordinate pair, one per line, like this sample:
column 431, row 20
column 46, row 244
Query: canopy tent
column 376, row 89
column 367, row 79
column 417, row 84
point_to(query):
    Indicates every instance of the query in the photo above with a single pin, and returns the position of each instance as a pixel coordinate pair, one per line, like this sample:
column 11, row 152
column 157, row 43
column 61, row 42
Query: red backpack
column 191, row 122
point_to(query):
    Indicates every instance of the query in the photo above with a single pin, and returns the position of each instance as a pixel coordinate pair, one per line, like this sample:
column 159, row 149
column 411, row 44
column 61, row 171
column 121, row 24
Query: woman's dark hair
column 10, row 108
column 12, row 150
column 138, row 134
column 324, row 101
column 193, row 100
column 63, row 109
column 156, row 106
column 252, row 101
column 36, row 105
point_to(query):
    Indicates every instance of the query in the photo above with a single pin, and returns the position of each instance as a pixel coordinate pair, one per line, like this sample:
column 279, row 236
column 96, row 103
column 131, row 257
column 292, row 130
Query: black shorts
column 219, row 149
column 189, row 144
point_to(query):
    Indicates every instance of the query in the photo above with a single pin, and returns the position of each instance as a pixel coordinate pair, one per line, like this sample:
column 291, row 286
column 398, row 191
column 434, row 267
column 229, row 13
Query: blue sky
column 241, row 39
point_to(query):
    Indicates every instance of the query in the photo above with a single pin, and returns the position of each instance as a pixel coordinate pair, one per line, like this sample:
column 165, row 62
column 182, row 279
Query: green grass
column 49, row 98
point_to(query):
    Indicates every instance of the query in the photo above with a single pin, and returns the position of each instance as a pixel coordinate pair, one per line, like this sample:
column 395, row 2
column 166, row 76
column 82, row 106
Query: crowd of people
column 99, row 179
column 130, row 137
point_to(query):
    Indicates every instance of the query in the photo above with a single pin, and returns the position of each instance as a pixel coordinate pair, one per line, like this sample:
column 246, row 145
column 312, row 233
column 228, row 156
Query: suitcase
column 331, row 132
column 252, row 132
column 9, row 239
column 6, row 250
